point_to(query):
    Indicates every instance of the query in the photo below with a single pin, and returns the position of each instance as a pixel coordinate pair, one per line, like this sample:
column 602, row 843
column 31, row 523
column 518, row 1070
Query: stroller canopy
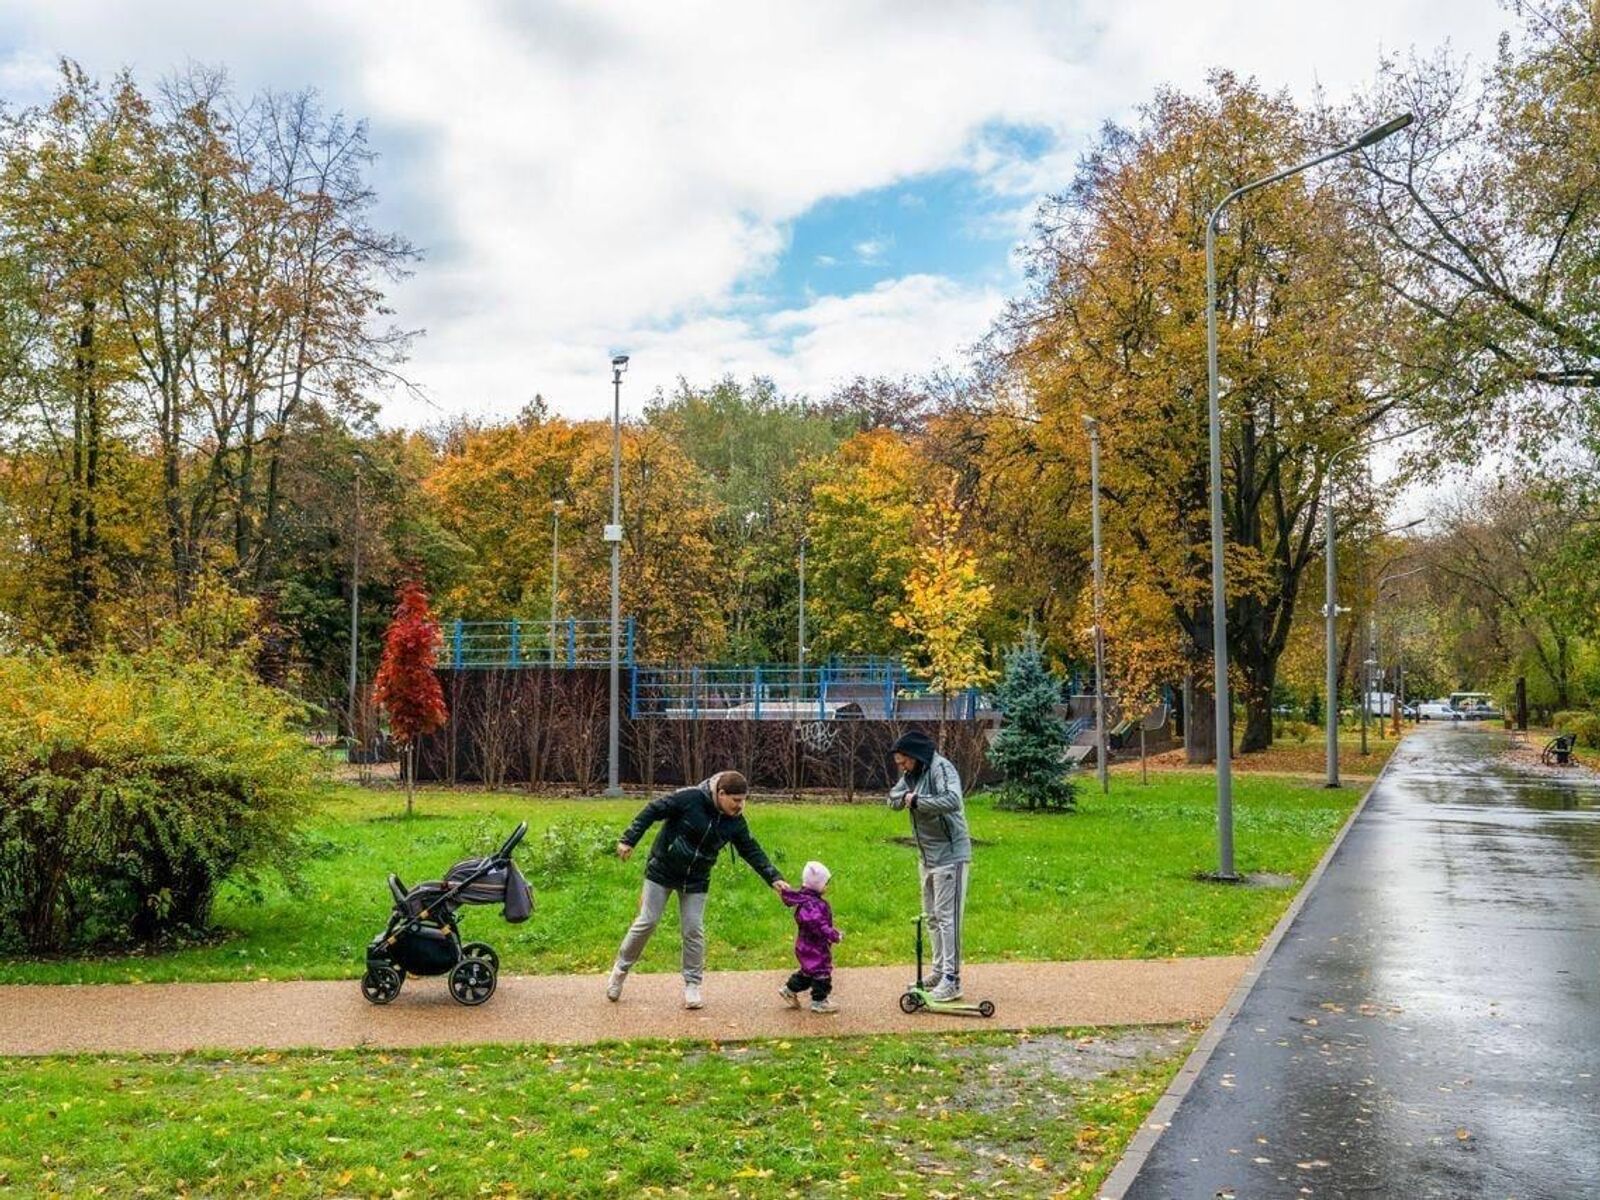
column 502, row 885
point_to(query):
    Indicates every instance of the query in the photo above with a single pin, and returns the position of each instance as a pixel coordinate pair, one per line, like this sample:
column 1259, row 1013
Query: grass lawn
column 963, row 1115
column 1114, row 880
column 1287, row 756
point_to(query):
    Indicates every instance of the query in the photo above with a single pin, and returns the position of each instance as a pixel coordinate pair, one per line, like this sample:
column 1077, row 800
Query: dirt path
column 569, row 1009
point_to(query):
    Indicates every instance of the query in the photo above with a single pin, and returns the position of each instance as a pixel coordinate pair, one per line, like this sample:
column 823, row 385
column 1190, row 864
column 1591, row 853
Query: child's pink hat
column 815, row 876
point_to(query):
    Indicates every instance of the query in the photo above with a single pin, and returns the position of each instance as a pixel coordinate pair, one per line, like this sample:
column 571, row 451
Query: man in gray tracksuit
column 930, row 786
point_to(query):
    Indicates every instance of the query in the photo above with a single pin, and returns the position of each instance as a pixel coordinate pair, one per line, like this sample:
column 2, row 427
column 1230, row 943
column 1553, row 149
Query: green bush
column 129, row 791
column 1584, row 724
column 1297, row 731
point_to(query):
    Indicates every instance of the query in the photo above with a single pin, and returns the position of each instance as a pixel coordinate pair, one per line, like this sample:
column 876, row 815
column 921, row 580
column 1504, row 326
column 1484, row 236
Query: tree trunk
column 1257, row 722
column 1200, row 735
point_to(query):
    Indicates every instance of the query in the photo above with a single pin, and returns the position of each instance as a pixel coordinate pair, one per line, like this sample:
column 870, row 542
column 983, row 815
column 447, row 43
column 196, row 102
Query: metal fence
column 873, row 688
column 560, row 644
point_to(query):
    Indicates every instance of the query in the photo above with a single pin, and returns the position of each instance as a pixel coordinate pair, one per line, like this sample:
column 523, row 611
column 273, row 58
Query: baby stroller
column 422, row 938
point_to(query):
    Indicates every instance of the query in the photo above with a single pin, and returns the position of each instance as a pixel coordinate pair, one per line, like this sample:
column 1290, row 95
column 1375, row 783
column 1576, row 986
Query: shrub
column 1030, row 742
column 130, row 791
column 1582, row 723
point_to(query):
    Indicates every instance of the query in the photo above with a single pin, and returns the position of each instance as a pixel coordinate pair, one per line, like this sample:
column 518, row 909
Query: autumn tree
column 945, row 601
column 862, row 530
column 1115, row 327
column 407, row 687
column 1485, row 221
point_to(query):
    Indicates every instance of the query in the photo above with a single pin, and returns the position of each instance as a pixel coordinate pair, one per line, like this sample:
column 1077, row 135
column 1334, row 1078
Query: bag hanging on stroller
column 423, row 938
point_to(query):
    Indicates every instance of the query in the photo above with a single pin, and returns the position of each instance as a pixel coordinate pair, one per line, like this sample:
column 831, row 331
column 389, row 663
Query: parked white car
column 1438, row 710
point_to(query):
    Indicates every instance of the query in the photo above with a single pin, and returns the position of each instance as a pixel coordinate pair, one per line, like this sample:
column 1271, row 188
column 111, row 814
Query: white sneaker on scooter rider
column 949, row 989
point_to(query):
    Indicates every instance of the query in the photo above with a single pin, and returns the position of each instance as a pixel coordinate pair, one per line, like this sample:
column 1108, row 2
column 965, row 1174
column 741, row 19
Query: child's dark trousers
column 819, row 987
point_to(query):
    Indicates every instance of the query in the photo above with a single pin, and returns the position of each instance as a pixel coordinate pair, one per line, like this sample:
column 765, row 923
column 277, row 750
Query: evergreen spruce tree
column 1032, row 736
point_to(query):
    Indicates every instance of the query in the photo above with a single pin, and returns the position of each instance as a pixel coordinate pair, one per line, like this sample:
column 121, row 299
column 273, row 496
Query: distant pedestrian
column 930, row 786
column 697, row 823
column 813, row 945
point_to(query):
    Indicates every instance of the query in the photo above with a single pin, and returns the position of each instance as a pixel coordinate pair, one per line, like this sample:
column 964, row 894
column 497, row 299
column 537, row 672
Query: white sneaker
column 614, row 984
column 824, row 1006
column 792, row 999
column 947, row 991
column 691, row 996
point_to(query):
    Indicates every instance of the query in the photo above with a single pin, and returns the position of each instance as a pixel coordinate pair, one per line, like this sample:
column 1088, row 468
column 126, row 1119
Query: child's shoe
column 789, row 998
column 821, row 1006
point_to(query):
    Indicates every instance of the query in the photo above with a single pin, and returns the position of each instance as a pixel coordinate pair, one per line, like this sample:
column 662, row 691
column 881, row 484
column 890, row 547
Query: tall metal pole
column 355, row 603
column 1330, row 612
column 1093, row 426
column 1219, row 595
column 614, row 535
column 555, row 571
column 800, row 646
column 1219, row 610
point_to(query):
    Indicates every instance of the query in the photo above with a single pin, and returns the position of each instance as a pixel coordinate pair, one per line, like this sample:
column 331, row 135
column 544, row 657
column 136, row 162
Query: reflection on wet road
column 1430, row 1025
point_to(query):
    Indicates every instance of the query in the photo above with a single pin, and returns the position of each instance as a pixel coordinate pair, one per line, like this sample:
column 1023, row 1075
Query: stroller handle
column 511, row 842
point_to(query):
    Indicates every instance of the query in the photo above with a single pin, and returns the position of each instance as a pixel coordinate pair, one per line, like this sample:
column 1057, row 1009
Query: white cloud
column 871, row 250
column 599, row 176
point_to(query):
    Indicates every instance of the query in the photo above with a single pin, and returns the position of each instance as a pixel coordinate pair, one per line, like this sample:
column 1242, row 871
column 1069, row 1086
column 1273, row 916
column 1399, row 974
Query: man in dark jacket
column 697, row 823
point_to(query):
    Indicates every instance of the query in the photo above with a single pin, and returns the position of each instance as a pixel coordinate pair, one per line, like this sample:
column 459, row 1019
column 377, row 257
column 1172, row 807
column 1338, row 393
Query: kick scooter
column 919, row 999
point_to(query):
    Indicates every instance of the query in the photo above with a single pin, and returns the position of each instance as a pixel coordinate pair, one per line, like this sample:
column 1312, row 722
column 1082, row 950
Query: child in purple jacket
column 813, row 946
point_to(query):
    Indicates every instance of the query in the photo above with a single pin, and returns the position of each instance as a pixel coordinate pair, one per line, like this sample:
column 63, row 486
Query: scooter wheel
column 472, row 981
column 910, row 1002
column 986, row 1008
column 484, row 951
column 380, row 984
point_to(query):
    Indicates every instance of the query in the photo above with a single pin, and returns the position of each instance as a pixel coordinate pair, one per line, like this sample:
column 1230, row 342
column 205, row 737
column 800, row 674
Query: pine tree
column 1032, row 736
column 406, row 686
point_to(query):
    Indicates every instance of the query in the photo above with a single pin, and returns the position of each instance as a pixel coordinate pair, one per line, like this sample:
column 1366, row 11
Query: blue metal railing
column 561, row 644
column 877, row 688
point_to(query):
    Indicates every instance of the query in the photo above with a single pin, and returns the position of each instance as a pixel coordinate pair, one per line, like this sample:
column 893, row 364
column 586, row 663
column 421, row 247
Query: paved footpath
column 1429, row 1026
column 168, row 1017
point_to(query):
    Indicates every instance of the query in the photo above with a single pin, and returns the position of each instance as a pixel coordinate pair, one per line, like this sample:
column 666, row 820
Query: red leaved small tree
column 406, row 686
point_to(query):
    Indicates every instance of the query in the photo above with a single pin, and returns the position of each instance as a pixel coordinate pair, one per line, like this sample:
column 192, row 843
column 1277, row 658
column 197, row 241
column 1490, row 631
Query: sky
column 806, row 191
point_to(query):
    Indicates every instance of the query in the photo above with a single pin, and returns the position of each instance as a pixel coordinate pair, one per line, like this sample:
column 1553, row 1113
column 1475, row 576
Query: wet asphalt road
column 1430, row 1024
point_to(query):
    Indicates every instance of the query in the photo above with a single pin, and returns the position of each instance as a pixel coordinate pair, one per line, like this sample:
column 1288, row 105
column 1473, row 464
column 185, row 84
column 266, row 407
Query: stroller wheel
column 482, row 950
column 910, row 1002
column 381, row 984
column 472, row 981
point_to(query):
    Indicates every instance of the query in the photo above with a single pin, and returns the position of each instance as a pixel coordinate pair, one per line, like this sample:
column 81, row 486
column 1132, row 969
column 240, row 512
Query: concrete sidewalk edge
column 1143, row 1143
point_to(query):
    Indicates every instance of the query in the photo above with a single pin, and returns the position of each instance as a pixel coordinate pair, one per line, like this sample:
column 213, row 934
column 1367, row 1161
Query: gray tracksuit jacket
column 938, row 817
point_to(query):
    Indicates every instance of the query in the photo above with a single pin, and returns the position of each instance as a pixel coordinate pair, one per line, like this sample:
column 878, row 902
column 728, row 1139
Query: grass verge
column 1113, row 880
column 960, row 1115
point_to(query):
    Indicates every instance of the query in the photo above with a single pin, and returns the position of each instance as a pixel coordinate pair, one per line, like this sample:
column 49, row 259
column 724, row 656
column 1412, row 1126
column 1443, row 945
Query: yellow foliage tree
column 946, row 601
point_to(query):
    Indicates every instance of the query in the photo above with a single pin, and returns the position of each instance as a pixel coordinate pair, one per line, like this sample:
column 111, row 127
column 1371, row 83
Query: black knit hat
column 916, row 744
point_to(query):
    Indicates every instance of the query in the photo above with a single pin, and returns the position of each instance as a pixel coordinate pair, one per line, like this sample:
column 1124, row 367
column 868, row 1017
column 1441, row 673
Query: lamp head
column 1378, row 132
column 619, row 363
column 1091, row 424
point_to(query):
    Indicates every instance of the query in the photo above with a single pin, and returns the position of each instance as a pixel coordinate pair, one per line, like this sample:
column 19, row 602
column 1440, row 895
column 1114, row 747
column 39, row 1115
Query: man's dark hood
column 917, row 745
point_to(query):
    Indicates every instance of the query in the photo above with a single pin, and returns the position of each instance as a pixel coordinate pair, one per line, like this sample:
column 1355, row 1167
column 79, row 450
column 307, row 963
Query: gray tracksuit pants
column 691, row 920
column 944, row 901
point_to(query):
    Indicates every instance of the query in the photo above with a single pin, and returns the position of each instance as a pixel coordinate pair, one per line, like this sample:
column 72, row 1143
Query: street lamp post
column 1378, row 597
column 613, row 534
column 1219, row 610
column 555, row 571
column 1093, row 428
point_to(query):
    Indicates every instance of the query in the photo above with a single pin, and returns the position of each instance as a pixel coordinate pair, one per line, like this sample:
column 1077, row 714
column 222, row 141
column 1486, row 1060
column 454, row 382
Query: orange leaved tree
column 406, row 686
